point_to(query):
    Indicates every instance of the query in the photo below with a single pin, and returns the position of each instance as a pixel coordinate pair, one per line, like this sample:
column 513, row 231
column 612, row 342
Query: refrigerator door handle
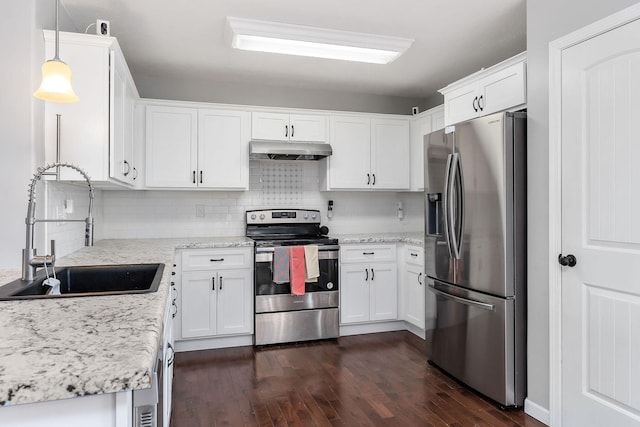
column 470, row 302
column 457, row 216
column 448, row 235
column 451, row 214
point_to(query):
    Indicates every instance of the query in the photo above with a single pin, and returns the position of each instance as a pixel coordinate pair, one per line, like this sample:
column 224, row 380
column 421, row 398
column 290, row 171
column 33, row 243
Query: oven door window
column 328, row 280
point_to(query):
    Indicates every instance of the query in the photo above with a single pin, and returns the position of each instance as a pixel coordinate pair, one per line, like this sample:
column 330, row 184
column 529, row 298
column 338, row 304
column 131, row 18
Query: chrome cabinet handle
column 200, row 177
column 292, row 129
column 135, row 175
column 128, row 168
column 194, row 177
column 419, row 278
column 366, row 272
column 372, row 274
column 374, row 179
column 216, row 259
column 213, row 283
column 286, row 131
column 220, row 287
column 368, row 179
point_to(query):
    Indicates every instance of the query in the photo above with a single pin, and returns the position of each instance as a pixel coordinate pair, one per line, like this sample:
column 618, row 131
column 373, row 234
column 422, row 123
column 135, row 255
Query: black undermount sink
column 90, row 280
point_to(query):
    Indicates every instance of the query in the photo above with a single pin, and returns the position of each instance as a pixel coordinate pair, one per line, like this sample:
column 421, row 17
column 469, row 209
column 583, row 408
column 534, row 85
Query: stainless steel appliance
column 279, row 316
column 475, row 206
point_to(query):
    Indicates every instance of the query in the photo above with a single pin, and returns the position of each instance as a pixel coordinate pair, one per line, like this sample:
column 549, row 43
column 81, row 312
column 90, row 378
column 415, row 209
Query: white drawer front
column 367, row 253
column 414, row 255
column 205, row 259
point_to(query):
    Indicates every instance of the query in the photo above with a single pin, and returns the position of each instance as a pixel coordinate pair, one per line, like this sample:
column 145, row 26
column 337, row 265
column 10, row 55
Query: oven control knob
column 329, row 285
column 253, row 216
column 305, row 216
column 313, row 216
column 261, row 216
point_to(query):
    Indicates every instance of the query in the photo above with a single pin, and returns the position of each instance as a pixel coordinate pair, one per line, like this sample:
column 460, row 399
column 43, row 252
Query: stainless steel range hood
column 280, row 150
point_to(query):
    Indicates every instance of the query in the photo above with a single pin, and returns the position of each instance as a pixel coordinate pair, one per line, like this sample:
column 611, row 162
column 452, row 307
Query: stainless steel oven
column 280, row 316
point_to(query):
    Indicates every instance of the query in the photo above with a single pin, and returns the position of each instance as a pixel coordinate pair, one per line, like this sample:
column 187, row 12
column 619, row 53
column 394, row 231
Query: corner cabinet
column 500, row 87
column 288, row 127
column 97, row 132
column 368, row 283
column 421, row 125
column 190, row 147
column 216, row 292
column 369, row 153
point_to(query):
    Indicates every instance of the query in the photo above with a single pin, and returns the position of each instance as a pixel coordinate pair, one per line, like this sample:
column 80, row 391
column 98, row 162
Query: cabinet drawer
column 367, row 253
column 205, row 259
column 414, row 255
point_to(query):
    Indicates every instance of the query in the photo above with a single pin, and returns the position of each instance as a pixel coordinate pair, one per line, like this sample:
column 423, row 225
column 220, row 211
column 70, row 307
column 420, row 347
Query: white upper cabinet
column 421, row 125
column 197, row 147
column 288, row 127
column 369, row 153
column 97, row 132
column 500, row 87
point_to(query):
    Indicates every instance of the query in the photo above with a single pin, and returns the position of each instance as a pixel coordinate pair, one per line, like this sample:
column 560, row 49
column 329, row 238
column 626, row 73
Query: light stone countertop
column 414, row 238
column 66, row 347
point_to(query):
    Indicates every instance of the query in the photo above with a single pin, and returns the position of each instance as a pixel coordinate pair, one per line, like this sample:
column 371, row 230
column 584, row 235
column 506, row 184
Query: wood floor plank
column 362, row 380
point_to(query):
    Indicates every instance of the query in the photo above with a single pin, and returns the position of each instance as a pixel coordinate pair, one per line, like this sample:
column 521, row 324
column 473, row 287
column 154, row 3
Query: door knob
column 567, row 261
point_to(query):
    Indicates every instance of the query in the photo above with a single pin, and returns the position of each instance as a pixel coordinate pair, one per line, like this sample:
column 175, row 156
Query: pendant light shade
column 56, row 83
column 56, row 77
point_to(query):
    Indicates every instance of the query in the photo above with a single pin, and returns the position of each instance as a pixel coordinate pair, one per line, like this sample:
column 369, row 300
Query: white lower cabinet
column 413, row 282
column 368, row 290
column 217, row 299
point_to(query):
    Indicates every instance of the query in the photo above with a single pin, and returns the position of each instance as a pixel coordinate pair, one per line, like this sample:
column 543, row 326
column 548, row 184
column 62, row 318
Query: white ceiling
column 185, row 40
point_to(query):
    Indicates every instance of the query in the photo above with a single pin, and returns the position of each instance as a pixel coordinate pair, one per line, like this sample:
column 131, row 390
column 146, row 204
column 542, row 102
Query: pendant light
column 56, row 76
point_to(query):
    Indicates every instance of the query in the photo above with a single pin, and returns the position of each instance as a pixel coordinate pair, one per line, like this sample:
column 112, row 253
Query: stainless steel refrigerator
column 475, row 254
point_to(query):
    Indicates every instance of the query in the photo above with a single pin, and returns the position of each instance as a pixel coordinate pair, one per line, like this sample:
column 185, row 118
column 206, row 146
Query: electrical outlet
column 200, row 211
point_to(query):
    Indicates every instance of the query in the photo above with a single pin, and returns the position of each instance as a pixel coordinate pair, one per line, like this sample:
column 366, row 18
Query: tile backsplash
column 273, row 184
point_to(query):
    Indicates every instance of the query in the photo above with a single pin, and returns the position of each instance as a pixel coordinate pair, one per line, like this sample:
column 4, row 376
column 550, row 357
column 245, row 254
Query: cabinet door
column 354, row 293
column 384, row 291
column 171, row 146
column 414, row 295
column 270, row 126
column 121, row 162
column 85, row 126
column 235, row 302
column 198, row 304
column 390, row 154
column 350, row 164
column 419, row 128
column 223, row 153
column 461, row 104
column 504, row 89
column 437, row 118
column 305, row 127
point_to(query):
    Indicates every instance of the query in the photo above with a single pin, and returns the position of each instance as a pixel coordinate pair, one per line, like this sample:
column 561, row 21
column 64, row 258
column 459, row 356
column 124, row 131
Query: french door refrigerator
column 475, row 213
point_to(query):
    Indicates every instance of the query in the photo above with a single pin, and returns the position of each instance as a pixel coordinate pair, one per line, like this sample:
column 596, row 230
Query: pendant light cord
column 57, row 58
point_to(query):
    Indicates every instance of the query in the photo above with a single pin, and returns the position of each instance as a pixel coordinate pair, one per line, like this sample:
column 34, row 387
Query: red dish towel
column 296, row 270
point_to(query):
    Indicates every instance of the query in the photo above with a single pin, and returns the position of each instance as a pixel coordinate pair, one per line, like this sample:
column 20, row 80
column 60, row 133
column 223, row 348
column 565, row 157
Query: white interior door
column 600, row 131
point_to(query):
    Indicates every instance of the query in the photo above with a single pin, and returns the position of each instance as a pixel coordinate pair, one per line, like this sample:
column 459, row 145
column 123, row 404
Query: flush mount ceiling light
column 275, row 37
column 56, row 76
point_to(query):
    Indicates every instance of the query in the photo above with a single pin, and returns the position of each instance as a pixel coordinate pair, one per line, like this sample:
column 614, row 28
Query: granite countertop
column 414, row 238
column 66, row 347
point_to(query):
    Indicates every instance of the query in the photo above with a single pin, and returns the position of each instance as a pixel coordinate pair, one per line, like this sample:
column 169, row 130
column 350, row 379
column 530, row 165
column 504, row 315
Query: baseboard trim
column 371, row 328
column 213, row 343
column 536, row 411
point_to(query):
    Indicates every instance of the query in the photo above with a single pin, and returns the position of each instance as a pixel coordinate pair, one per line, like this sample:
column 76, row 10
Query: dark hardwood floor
column 364, row 380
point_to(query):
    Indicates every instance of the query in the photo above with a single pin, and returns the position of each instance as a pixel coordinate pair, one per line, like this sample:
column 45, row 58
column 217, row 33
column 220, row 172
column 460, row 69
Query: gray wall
column 272, row 96
column 547, row 20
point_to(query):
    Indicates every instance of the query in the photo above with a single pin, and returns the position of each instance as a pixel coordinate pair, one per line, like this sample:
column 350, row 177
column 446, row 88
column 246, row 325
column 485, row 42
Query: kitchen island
column 61, row 348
